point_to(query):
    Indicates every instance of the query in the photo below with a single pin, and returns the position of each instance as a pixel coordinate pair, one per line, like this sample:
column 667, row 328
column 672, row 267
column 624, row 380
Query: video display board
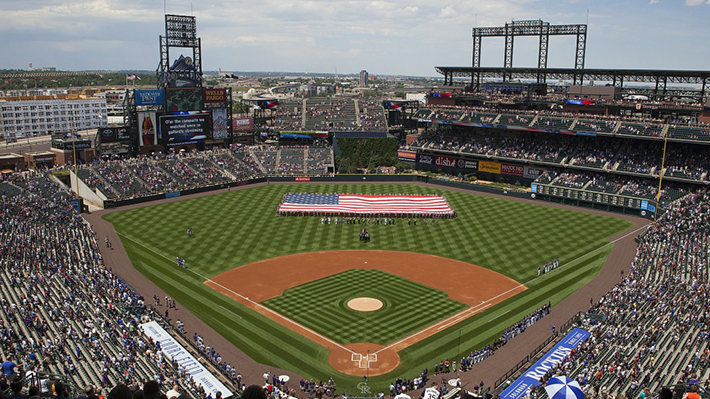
column 185, row 129
column 184, row 100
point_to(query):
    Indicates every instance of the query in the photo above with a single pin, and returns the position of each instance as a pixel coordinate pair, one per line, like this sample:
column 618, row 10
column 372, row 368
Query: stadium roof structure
column 617, row 77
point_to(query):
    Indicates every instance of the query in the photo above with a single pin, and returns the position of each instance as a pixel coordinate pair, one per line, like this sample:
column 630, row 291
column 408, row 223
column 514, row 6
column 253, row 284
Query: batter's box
column 363, row 361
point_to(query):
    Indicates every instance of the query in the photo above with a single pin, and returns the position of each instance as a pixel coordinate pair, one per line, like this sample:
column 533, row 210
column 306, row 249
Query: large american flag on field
column 360, row 204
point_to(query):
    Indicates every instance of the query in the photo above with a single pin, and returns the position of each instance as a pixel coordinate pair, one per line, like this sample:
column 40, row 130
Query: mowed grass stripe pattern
column 322, row 306
column 240, row 227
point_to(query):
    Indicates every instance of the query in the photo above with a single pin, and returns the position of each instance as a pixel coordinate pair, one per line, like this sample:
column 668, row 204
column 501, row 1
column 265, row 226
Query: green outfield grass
column 408, row 306
column 240, row 227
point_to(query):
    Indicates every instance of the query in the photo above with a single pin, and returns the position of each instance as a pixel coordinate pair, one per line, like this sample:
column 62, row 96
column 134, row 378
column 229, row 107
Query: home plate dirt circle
column 365, row 304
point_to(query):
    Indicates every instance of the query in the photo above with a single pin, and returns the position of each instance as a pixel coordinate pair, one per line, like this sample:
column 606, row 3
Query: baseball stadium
column 498, row 240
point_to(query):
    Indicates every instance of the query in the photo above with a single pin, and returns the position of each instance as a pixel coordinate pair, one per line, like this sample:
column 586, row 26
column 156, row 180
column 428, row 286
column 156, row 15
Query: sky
column 386, row 37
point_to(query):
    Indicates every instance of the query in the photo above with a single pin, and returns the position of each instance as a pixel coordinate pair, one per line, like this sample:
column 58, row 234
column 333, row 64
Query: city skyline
column 385, row 37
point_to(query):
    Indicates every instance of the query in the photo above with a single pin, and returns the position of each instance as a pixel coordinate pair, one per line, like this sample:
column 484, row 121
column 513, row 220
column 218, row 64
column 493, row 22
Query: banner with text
column 149, row 97
column 171, row 349
column 185, row 129
column 490, row 167
column 445, row 162
column 512, row 170
column 215, row 96
column 242, row 124
column 403, row 155
column 531, row 378
column 115, row 134
column 533, row 172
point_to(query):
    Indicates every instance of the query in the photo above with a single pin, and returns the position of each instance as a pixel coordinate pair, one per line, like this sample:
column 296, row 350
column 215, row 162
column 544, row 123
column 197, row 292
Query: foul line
column 475, row 309
column 453, row 319
column 256, row 304
column 500, row 315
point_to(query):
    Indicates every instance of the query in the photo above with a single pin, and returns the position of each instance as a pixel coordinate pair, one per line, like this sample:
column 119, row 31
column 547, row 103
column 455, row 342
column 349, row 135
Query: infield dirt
column 473, row 285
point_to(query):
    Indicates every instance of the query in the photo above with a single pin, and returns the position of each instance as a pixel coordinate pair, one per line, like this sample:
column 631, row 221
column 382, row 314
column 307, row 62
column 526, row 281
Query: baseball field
column 284, row 289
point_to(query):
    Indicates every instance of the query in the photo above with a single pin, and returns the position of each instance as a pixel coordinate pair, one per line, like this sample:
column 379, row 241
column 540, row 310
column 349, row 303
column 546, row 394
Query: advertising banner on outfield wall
column 466, row 164
column 531, row 378
column 442, row 161
column 511, row 170
column 406, row 155
column 490, row 167
column 532, row 172
column 173, row 350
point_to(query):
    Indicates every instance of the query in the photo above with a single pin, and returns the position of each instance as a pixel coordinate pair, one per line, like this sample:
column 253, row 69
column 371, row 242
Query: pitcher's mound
column 365, row 304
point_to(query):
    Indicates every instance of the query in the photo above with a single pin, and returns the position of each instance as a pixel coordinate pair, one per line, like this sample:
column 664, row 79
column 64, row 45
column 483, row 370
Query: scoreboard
column 594, row 197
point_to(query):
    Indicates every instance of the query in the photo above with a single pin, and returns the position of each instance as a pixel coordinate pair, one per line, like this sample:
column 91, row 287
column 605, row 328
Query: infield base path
column 473, row 285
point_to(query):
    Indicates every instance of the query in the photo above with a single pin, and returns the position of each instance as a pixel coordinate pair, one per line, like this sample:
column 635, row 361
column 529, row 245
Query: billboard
column 183, row 100
column 444, row 162
column 512, row 170
column 114, row 134
column 185, row 129
column 406, row 155
column 490, row 167
column 533, row 172
column 466, row 164
column 532, row 377
column 214, row 96
column 150, row 97
column 219, row 124
column 146, row 128
column 242, row 124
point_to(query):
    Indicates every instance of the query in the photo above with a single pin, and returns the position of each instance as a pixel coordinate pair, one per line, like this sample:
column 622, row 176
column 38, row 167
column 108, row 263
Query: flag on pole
column 132, row 76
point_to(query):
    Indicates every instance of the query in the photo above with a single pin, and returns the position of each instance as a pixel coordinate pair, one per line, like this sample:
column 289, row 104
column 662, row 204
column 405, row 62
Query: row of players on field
column 373, row 221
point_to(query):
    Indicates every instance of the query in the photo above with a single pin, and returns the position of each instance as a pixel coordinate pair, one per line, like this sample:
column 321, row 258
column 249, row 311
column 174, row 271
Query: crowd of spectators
column 158, row 173
column 403, row 385
column 62, row 311
column 289, row 116
column 651, row 330
column 559, row 120
column 372, row 116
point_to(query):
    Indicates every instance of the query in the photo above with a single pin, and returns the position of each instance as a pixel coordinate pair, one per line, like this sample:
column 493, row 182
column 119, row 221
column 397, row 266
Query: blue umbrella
column 563, row 387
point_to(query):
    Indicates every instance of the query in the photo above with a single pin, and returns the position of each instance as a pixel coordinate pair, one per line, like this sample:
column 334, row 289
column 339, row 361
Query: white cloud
column 654, row 1
column 447, row 12
column 695, row 2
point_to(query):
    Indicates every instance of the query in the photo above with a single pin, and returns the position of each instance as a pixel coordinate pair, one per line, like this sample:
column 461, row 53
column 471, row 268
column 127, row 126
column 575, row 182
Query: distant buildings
column 26, row 116
column 364, row 78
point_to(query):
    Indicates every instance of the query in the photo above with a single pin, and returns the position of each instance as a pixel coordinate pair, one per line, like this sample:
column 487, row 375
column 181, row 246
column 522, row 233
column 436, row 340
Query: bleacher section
column 121, row 179
column 653, row 331
column 62, row 312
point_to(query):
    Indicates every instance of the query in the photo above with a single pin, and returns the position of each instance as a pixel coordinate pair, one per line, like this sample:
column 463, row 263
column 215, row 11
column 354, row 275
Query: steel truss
column 660, row 79
column 543, row 30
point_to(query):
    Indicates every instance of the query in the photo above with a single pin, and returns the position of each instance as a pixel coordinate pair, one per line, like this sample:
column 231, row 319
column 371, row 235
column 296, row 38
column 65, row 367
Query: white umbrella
column 563, row 387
